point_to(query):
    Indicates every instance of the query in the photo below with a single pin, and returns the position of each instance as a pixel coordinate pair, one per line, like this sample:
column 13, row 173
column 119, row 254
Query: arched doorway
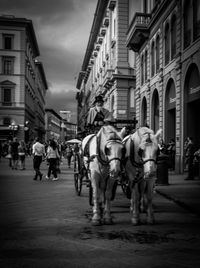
column 170, row 112
column 155, row 111
column 192, row 104
column 144, row 112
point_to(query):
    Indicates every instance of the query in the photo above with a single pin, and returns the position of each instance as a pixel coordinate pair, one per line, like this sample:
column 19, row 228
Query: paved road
column 44, row 224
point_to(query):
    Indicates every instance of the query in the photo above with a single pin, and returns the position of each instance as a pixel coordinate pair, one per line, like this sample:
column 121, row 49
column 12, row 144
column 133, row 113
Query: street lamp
column 14, row 128
column 26, row 130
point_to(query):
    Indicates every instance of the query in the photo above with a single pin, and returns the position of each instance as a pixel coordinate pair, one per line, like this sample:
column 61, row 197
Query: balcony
column 107, row 79
column 138, row 31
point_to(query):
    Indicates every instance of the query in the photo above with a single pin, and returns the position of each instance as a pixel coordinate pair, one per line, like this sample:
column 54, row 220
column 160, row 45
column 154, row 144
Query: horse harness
column 138, row 165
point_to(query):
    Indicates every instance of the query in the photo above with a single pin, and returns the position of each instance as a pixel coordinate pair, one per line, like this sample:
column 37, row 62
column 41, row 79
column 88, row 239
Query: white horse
column 140, row 168
column 102, row 157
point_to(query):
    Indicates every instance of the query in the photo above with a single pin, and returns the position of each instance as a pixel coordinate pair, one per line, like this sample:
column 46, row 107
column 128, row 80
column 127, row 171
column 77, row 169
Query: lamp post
column 14, row 128
column 26, row 130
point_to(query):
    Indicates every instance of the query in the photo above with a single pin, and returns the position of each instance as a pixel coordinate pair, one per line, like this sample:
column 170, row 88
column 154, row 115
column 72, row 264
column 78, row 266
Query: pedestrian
column 196, row 163
column 69, row 153
column 171, row 151
column 52, row 156
column 22, row 154
column 189, row 158
column 38, row 152
column 14, row 153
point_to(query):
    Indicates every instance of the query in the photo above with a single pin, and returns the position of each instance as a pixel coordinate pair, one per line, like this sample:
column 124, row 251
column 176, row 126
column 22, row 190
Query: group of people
column 15, row 152
column 191, row 156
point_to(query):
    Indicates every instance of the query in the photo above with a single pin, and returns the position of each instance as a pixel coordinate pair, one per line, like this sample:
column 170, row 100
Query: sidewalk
column 184, row 193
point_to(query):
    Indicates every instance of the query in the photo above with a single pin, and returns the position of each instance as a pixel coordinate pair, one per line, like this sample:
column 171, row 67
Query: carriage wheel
column 77, row 174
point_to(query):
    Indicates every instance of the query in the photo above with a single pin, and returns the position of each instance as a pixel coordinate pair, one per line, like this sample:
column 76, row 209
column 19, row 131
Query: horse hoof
column 135, row 221
column 108, row 221
column 151, row 221
column 96, row 222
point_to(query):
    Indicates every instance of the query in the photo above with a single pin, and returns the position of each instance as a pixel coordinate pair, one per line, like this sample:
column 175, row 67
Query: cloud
column 62, row 30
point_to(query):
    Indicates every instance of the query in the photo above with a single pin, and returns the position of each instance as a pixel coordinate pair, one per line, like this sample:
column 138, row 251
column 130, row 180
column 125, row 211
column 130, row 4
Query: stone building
column 166, row 37
column 22, row 81
column 108, row 66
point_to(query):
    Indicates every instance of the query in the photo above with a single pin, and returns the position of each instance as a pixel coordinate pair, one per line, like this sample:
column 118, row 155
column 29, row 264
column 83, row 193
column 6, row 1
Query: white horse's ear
column 122, row 133
column 158, row 134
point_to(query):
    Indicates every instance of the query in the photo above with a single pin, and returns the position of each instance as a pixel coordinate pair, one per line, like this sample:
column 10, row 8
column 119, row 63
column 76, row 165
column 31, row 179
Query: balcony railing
column 138, row 30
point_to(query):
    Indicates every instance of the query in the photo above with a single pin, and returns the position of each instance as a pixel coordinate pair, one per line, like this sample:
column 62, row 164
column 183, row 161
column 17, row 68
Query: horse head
column 148, row 150
column 111, row 149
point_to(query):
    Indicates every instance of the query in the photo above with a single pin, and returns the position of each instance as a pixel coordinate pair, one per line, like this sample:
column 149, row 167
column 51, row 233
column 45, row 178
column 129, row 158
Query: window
column 196, row 19
column 142, row 70
column 7, row 96
column 173, row 37
column 152, row 60
column 8, row 65
column 157, row 54
column 187, row 23
column 145, row 71
column 6, row 121
column 167, row 44
column 132, row 98
column 7, row 41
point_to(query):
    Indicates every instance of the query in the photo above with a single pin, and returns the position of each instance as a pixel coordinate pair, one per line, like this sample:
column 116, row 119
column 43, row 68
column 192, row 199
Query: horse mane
column 108, row 133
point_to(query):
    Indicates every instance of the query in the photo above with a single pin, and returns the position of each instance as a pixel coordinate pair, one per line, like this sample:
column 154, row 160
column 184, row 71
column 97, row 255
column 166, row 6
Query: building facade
column 57, row 127
column 109, row 66
column 23, row 83
column 166, row 38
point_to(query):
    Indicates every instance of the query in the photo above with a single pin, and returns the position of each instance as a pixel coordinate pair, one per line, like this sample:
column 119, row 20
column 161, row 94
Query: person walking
column 52, row 156
column 69, row 153
column 189, row 158
column 22, row 154
column 38, row 152
column 14, row 153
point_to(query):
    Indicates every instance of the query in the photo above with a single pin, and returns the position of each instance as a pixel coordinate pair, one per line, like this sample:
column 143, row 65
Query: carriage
column 104, row 168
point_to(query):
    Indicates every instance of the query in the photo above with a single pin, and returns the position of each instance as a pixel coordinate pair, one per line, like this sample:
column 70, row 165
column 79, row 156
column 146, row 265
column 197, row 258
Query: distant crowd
column 52, row 152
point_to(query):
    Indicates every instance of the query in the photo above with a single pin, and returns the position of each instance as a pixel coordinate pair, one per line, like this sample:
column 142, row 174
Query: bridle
column 114, row 158
column 107, row 162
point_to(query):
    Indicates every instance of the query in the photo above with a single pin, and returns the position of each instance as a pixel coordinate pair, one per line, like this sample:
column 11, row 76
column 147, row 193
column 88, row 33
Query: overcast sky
column 62, row 29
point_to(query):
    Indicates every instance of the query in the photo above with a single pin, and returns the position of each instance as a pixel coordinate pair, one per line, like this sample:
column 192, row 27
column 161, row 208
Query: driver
column 98, row 115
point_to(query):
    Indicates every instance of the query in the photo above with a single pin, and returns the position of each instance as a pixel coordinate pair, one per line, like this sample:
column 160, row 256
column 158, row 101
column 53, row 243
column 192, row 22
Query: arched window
column 187, row 23
column 145, row 71
column 173, row 37
column 157, row 54
column 167, row 44
column 196, row 19
column 152, row 59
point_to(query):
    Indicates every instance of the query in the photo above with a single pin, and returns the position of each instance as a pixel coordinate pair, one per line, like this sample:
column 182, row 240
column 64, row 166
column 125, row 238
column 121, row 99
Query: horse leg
column 96, row 218
column 108, row 195
column 149, row 198
column 134, row 206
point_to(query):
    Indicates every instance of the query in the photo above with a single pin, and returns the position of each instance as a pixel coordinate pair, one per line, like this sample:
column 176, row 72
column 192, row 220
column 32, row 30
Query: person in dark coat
column 98, row 115
column 189, row 158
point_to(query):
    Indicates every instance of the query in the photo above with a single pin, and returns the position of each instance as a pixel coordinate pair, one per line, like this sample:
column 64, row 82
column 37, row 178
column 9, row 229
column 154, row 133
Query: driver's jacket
column 96, row 119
